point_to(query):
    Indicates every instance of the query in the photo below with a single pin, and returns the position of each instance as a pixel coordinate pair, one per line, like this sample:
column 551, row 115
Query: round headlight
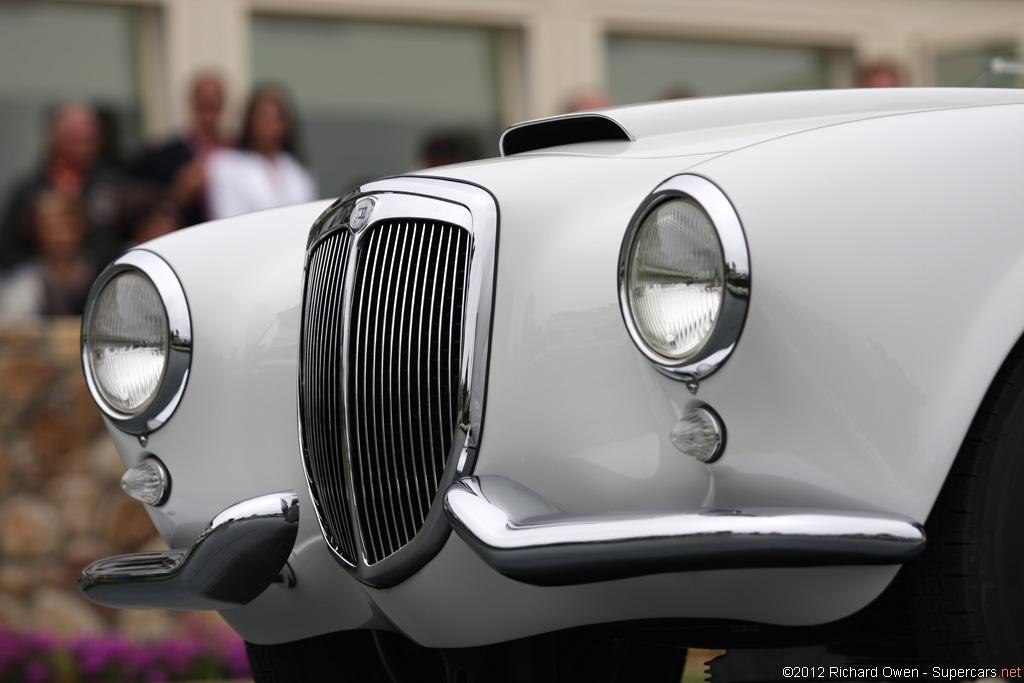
column 675, row 278
column 136, row 342
column 127, row 342
column 684, row 277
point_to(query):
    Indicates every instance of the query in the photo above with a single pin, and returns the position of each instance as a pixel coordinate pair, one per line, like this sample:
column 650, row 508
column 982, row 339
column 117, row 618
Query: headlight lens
column 684, row 278
column 675, row 278
column 127, row 342
column 137, row 342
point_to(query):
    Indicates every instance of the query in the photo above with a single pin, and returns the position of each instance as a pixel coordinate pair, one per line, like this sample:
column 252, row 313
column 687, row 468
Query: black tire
column 578, row 656
column 344, row 656
column 966, row 591
column 573, row 656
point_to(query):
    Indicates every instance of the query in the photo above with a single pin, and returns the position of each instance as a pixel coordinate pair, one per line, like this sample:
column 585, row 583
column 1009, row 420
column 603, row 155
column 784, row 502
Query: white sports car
column 694, row 373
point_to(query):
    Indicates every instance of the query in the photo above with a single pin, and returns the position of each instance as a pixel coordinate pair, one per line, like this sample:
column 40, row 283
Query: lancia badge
column 361, row 213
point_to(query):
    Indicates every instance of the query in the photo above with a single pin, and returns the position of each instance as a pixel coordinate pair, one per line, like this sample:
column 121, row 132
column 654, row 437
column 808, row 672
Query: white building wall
column 562, row 46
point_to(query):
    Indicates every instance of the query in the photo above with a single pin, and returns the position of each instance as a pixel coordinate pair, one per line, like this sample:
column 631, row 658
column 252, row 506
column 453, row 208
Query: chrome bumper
column 236, row 558
column 526, row 537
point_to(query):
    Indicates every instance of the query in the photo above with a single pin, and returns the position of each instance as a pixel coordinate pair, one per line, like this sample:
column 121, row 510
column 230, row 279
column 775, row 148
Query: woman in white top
column 264, row 171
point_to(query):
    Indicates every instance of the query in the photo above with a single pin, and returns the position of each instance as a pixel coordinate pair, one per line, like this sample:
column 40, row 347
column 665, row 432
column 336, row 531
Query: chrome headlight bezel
column 720, row 340
column 155, row 412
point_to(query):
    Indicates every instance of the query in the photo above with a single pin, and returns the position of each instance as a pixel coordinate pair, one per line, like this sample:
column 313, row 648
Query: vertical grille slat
column 335, row 466
column 374, row 500
column 394, row 480
column 377, row 498
column 405, row 334
column 430, row 361
column 439, row 363
column 322, row 421
column 379, row 423
column 322, row 349
column 361, row 335
column 422, row 366
column 464, row 276
column 408, row 489
column 322, row 302
column 336, row 279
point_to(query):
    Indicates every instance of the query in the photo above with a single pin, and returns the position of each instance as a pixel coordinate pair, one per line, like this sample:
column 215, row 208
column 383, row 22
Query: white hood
column 723, row 124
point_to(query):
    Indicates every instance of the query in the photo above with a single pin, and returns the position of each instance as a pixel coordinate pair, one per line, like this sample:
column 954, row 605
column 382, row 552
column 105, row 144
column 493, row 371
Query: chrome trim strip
column 401, row 197
column 179, row 333
column 237, row 557
column 721, row 341
column 526, row 537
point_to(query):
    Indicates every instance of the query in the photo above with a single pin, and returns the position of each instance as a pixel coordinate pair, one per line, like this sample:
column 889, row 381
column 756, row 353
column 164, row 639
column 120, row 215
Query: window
column 370, row 94
column 969, row 67
column 645, row 69
column 52, row 53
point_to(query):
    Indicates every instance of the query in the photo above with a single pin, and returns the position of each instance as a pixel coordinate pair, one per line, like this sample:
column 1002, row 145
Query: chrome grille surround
column 392, row 364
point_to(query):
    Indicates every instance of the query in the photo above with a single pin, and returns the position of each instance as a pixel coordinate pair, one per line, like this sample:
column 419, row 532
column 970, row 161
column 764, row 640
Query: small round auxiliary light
column 700, row 434
column 148, row 482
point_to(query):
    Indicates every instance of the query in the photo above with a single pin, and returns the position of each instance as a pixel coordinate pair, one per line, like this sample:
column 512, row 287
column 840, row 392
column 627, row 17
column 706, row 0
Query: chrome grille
column 379, row 427
column 320, row 391
column 404, row 360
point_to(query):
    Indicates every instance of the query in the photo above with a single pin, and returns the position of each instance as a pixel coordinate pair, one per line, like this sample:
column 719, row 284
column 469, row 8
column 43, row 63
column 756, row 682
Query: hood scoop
column 563, row 130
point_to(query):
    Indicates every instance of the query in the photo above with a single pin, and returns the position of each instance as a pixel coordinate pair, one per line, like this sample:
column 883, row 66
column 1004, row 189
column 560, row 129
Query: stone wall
column 61, row 504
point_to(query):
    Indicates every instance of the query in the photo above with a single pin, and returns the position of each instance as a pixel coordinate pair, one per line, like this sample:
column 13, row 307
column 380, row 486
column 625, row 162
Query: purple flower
column 104, row 656
column 237, row 660
column 36, row 671
column 155, row 674
column 211, row 652
column 179, row 654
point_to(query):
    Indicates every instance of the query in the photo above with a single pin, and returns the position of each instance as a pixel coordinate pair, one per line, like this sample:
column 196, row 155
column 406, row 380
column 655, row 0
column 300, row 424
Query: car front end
column 635, row 370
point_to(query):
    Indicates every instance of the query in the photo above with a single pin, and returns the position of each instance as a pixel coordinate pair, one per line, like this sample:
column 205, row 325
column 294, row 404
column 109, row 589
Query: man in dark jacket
column 178, row 165
column 71, row 167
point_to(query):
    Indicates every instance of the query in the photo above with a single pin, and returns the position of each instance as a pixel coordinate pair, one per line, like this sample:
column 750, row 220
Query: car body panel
column 235, row 429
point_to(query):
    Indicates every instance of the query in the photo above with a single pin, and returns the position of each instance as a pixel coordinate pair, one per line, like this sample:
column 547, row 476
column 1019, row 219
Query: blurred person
column 71, row 167
column 147, row 213
column 448, row 147
column 880, row 75
column 585, row 100
column 57, row 280
column 110, row 137
column 265, row 171
column 179, row 164
column 677, row 92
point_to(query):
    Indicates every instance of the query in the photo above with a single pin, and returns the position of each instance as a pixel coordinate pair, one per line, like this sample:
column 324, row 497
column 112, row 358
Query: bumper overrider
column 239, row 555
column 518, row 533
